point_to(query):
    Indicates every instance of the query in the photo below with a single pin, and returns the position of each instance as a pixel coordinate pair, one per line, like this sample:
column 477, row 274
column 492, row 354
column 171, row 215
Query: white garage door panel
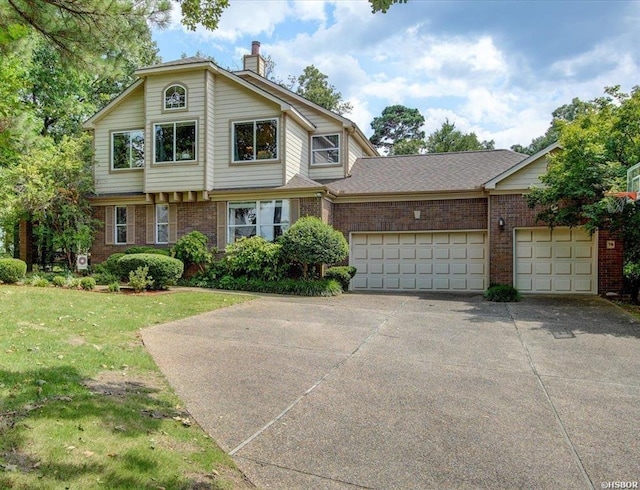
column 555, row 261
column 448, row 261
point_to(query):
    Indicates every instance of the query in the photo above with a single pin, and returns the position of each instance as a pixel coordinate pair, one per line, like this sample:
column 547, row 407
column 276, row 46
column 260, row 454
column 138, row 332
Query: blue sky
column 498, row 68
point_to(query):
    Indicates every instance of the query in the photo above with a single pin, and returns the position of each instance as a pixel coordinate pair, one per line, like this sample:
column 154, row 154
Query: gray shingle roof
column 433, row 172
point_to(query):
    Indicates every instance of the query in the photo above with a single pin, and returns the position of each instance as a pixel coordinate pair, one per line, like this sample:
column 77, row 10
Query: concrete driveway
column 439, row 391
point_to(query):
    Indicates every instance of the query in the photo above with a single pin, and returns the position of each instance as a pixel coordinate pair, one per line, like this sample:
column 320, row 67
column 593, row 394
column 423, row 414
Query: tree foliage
column 80, row 28
column 598, row 147
column 50, row 183
column 313, row 85
column 397, row 125
column 448, row 138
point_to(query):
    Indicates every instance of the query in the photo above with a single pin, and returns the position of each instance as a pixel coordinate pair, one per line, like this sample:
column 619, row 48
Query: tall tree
column 598, row 147
column 448, row 138
column 50, row 184
column 564, row 113
column 77, row 28
column 398, row 125
column 313, row 85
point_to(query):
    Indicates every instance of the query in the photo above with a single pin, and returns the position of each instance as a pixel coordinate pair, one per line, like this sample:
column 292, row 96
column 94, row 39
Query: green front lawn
column 82, row 404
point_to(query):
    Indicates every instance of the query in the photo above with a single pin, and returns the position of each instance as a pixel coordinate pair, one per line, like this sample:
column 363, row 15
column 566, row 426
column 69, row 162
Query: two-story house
column 190, row 146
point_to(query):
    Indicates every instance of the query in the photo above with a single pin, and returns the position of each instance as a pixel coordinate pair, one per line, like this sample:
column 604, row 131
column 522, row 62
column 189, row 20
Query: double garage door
column 438, row 261
column 545, row 261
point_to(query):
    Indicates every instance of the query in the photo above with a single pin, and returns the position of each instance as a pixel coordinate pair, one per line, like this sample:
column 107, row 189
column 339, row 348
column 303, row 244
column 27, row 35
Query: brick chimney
column 255, row 62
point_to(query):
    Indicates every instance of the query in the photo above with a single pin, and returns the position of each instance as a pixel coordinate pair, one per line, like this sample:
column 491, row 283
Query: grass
column 82, row 404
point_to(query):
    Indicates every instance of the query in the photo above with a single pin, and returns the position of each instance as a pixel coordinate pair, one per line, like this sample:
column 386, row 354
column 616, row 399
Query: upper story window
column 127, row 149
column 175, row 97
column 175, row 142
column 255, row 140
column 325, row 149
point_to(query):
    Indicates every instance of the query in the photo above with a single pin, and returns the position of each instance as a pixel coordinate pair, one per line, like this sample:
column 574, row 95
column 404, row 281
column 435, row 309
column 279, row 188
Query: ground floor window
column 162, row 223
column 120, row 225
column 268, row 219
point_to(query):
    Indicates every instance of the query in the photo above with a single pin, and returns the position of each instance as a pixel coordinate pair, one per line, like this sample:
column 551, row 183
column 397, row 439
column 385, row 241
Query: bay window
column 255, row 140
column 268, row 219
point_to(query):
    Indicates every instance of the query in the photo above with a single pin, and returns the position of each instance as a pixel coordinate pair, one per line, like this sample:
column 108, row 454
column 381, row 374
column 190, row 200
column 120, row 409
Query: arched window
column 175, row 97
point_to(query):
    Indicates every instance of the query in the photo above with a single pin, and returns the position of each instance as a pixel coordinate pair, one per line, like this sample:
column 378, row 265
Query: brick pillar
column 610, row 262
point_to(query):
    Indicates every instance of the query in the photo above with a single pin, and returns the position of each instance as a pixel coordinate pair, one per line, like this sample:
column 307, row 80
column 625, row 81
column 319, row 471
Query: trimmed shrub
column 148, row 250
column 502, row 293
column 631, row 274
column 309, row 241
column 317, row 287
column 114, row 287
column 74, row 283
column 40, row 282
column 255, row 258
column 164, row 270
column 140, row 280
column 59, row 281
column 342, row 273
column 192, row 249
column 106, row 278
column 110, row 266
column 12, row 270
column 87, row 283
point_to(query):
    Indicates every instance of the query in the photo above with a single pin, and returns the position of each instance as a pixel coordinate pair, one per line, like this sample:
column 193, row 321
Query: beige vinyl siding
column 525, row 178
column 169, row 177
column 128, row 115
column 209, row 131
column 355, row 152
column 297, row 149
column 235, row 103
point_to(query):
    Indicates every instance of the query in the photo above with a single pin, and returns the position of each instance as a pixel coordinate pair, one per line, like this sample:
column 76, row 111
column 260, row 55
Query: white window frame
column 260, row 221
column 113, row 153
column 159, row 223
column 117, row 225
column 315, row 151
column 164, row 98
column 255, row 152
column 175, row 125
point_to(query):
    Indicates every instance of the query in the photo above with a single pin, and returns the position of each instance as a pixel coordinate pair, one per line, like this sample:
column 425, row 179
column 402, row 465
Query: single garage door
column 433, row 261
column 561, row 260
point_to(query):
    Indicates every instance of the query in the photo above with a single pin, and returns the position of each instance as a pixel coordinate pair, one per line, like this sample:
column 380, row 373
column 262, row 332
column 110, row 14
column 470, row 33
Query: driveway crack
column 373, row 333
column 286, row 468
column 560, row 423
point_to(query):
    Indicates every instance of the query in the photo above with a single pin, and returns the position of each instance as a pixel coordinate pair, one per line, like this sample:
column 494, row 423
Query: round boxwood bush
column 311, row 242
column 164, row 270
column 502, row 293
column 12, row 270
column 147, row 250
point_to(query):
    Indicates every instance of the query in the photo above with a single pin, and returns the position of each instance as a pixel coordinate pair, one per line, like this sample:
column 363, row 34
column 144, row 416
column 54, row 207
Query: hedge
column 298, row 287
column 164, row 270
column 342, row 273
column 12, row 270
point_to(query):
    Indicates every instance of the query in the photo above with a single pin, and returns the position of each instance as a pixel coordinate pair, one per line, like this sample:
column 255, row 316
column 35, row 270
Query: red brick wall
column 515, row 212
column 200, row 216
column 453, row 214
column 310, row 206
